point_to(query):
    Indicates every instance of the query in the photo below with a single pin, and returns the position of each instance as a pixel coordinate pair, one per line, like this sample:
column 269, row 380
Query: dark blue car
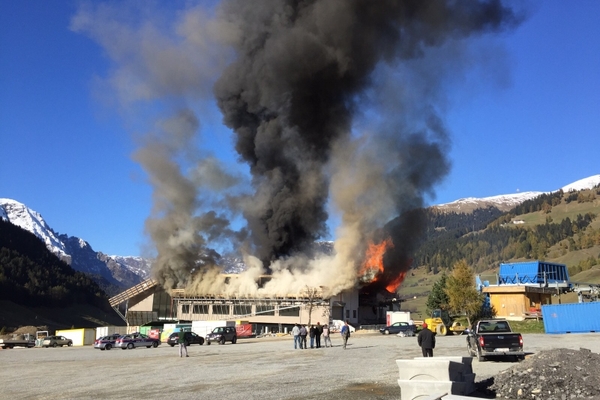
column 398, row 327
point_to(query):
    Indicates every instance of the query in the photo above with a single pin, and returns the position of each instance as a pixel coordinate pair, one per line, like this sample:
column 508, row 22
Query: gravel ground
column 266, row 368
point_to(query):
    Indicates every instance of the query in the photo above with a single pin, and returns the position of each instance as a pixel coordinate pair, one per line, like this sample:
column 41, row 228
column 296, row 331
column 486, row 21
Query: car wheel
column 155, row 344
column 201, row 342
column 208, row 343
column 54, row 344
column 102, row 349
column 234, row 340
column 108, row 347
column 123, row 348
column 386, row 332
column 70, row 344
column 172, row 345
column 222, row 341
column 130, row 346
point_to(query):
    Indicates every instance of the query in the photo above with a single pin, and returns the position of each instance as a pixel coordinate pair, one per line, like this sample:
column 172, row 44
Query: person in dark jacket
column 312, row 333
column 318, row 333
column 426, row 340
column 303, row 333
column 182, row 343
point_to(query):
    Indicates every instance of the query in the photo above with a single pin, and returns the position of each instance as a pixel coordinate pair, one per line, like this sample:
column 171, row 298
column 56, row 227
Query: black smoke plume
column 336, row 106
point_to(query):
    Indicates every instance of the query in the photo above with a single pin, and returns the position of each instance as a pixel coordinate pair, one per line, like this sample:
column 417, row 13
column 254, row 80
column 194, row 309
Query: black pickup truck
column 494, row 338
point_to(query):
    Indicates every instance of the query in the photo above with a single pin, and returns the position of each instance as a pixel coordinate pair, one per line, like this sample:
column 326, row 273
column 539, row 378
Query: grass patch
column 528, row 326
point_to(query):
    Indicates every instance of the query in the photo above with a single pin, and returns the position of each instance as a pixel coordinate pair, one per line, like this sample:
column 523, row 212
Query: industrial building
column 520, row 289
column 149, row 304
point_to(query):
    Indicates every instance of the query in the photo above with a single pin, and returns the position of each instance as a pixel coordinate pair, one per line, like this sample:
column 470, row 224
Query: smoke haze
column 334, row 106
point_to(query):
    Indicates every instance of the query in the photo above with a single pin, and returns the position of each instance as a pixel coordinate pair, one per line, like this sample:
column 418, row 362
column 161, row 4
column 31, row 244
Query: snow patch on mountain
column 582, row 184
column 19, row 214
column 503, row 199
column 508, row 201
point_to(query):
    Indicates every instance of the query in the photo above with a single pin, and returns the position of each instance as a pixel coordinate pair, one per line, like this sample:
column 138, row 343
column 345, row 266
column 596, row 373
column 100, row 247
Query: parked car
column 222, row 334
column 190, row 338
column 54, row 341
column 397, row 327
column 106, row 342
column 134, row 340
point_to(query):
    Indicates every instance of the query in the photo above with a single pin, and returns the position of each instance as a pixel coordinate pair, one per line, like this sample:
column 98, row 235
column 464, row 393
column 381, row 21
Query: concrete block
column 421, row 390
column 430, row 369
column 466, row 361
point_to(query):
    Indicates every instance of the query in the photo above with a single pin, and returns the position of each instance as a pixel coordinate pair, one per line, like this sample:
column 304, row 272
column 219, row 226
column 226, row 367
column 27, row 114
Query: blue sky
column 527, row 118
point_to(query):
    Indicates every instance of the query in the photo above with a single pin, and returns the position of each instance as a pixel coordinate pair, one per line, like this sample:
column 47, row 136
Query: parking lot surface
column 264, row 368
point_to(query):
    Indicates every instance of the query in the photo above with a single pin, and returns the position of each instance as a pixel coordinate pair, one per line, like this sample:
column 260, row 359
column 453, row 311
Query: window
column 354, row 314
column 286, row 311
column 222, row 309
column 200, row 309
column 242, row 309
column 185, row 308
column 347, row 313
column 264, row 309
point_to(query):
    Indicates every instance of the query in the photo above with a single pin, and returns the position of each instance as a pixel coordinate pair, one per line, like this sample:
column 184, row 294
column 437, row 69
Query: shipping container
column 80, row 337
column 109, row 330
column 391, row 317
column 571, row 318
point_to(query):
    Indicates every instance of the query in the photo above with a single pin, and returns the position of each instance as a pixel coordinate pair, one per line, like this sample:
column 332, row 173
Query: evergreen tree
column 438, row 297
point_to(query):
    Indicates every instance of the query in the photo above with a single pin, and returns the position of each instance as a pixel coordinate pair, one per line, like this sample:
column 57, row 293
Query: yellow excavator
column 442, row 324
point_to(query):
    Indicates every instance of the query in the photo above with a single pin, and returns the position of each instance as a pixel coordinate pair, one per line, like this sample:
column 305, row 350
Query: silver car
column 134, row 340
column 55, row 341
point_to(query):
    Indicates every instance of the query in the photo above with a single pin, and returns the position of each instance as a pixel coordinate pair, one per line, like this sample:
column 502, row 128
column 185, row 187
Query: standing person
column 182, row 343
column 318, row 333
column 296, row 335
column 312, row 335
column 426, row 340
column 326, row 337
column 345, row 331
column 303, row 333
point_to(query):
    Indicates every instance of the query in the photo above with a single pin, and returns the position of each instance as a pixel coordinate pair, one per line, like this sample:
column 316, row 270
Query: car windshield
column 218, row 330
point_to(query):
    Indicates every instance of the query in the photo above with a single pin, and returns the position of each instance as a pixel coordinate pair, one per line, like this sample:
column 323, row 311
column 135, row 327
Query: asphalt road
column 265, row 368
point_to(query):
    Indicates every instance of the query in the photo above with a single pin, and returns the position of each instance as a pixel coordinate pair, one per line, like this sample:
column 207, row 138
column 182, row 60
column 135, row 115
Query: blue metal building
column 539, row 273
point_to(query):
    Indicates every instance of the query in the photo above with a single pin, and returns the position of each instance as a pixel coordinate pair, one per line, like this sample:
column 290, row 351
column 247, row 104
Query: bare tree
column 313, row 295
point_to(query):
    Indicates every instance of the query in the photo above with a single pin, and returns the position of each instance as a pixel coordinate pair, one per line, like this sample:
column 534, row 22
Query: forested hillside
column 32, row 276
column 543, row 228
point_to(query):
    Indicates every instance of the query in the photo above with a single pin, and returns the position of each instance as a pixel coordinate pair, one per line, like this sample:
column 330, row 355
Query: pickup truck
column 18, row 341
column 494, row 338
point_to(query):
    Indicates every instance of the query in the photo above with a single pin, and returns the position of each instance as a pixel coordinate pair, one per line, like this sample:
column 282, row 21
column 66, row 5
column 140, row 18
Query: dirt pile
column 20, row 333
column 558, row 374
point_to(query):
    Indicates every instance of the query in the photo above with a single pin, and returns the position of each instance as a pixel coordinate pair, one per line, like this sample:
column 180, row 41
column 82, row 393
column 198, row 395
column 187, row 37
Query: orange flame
column 395, row 283
column 372, row 267
column 373, row 263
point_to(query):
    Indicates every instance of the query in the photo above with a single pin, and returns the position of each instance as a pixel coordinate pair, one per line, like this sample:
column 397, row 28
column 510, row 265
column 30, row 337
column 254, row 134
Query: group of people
column 314, row 333
column 426, row 338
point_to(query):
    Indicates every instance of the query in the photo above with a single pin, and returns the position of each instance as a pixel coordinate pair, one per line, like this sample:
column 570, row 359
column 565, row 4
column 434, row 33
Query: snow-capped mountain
column 506, row 202
column 115, row 272
column 24, row 217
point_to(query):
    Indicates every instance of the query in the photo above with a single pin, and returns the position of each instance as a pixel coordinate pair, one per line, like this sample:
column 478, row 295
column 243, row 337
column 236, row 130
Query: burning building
column 335, row 110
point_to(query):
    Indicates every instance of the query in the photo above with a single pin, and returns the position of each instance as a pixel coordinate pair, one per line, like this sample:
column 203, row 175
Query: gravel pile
column 558, row 374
